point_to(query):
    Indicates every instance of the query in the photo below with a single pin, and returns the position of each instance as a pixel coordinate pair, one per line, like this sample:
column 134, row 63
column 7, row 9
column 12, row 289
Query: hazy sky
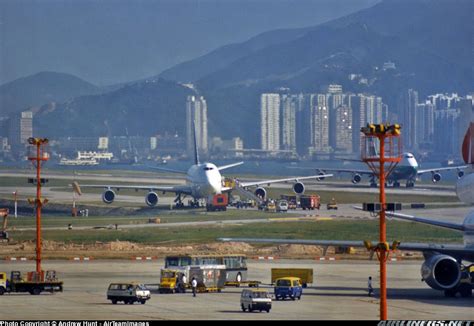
column 112, row 41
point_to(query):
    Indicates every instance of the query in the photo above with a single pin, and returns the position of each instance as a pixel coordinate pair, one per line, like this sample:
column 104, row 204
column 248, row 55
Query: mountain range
column 429, row 41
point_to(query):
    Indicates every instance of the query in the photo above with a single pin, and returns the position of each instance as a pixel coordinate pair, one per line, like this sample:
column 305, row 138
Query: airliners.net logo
column 425, row 323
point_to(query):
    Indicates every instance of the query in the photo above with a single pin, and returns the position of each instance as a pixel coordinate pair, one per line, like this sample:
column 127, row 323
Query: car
column 282, row 206
column 288, row 287
column 255, row 299
column 128, row 292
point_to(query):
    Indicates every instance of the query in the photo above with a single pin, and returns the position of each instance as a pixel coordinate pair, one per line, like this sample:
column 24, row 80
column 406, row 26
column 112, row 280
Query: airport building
column 270, row 121
column 196, row 111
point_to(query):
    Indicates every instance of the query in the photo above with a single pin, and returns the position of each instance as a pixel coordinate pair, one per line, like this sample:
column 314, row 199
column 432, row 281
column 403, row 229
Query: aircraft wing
column 447, row 225
column 293, row 179
column 178, row 189
column 459, row 167
column 456, row 250
column 366, row 172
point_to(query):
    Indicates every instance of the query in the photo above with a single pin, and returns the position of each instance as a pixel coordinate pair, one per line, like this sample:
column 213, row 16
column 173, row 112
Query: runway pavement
column 339, row 292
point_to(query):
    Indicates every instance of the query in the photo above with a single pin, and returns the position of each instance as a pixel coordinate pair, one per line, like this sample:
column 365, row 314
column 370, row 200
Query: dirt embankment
column 126, row 250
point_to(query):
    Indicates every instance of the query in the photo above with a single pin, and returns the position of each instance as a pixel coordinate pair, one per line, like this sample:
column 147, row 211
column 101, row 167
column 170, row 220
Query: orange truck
column 217, row 203
column 310, row 202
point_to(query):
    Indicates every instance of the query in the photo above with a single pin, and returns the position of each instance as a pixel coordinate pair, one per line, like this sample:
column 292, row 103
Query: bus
column 236, row 265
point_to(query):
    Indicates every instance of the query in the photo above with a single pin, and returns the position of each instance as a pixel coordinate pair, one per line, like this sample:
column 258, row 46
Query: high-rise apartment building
column 289, row 105
column 270, row 121
column 196, row 111
column 424, row 124
column 343, row 141
column 407, row 105
column 20, row 128
column 320, row 124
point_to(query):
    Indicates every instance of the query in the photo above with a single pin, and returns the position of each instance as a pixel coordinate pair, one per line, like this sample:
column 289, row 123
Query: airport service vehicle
column 288, row 287
column 255, row 299
column 332, row 204
column 128, row 292
column 282, row 206
column 210, row 278
column 271, row 207
column 33, row 283
column 217, row 203
column 310, row 202
column 291, row 199
column 235, row 265
column 304, row 274
column 172, row 281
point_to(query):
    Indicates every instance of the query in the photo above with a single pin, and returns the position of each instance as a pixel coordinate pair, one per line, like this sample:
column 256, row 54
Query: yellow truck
column 305, row 274
column 172, row 281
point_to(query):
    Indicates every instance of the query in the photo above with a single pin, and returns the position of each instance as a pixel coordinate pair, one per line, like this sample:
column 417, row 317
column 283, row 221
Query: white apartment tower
column 270, row 121
column 289, row 108
column 319, row 123
column 196, row 110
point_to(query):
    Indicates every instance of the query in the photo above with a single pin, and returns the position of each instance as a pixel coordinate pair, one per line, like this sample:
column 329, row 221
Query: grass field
column 165, row 217
column 324, row 230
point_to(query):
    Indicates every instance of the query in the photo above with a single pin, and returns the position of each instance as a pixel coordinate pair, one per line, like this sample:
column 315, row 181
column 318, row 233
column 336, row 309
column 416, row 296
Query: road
column 339, row 293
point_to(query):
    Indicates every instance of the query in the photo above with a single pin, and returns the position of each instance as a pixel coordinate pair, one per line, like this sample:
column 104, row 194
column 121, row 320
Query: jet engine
column 261, row 192
column 460, row 174
column 436, row 177
column 441, row 272
column 151, row 199
column 321, row 173
column 108, row 196
column 298, row 188
column 356, row 178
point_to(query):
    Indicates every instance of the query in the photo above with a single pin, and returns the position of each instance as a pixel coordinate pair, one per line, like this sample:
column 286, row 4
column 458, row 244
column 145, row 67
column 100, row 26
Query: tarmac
column 339, row 292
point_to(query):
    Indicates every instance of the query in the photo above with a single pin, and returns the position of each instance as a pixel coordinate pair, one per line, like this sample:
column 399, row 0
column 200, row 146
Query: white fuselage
column 205, row 180
column 468, row 235
column 465, row 189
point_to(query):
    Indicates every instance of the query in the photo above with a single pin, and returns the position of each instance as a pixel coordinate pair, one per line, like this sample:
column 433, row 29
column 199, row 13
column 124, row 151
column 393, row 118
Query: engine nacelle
column 441, row 272
column 108, row 196
column 261, row 193
column 436, row 177
column 151, row 199
column 356, row 178
column 460, row 174
column 321, row 173
column 298, row 188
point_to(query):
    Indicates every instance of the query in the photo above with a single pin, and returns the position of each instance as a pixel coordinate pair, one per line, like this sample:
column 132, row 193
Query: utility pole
column 390, row 154
column 37, row 156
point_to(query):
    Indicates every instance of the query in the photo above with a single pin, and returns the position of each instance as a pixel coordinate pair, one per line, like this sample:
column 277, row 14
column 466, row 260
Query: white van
column 282, row 206
column 255, row 299
column 128, row 293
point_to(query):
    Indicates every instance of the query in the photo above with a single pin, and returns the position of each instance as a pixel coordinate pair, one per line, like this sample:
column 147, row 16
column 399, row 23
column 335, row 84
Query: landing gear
column 179, row 202
column 396, row 184
column 410, row 184
column 373, row 183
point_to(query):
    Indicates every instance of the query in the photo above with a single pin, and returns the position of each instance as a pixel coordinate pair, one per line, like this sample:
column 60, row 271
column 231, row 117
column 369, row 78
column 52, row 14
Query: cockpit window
column 208, row 169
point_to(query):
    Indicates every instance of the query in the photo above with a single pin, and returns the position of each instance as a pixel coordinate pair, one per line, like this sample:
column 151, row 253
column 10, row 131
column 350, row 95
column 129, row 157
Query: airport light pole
column 37, row 155
column 390, row 154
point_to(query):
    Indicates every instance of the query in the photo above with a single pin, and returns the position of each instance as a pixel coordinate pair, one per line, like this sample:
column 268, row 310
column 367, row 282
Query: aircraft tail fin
column 196, row 154
column 468, row 145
